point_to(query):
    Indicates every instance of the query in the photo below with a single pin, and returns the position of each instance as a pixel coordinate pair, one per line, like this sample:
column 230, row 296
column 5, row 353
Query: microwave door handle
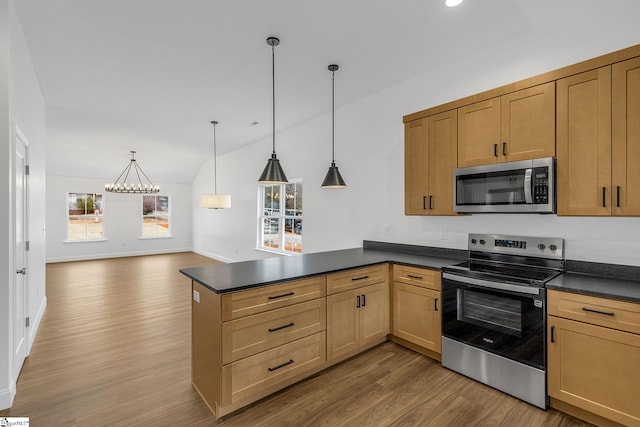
column 528, row 198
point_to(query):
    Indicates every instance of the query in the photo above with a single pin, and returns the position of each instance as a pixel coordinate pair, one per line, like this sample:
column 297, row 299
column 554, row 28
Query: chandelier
column 143, row 185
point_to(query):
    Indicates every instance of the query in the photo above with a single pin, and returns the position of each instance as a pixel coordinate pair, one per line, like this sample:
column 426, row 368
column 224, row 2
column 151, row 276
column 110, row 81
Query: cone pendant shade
column 273, row 172
column 333, row 179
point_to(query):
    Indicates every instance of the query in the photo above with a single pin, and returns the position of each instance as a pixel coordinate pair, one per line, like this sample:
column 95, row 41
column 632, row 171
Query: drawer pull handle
column 411, row 276
column 435, row 304
column 364, row 300
column 424, row 202
column 281, row 327
column 288, row 294
column 618, row 196
column 553, row 334
column 504, row 148
column 275, row 368
column 495, row 150
column 355, row 279
column 358, row 299
column 606, row 313
column 430, row 202
column 604, row 197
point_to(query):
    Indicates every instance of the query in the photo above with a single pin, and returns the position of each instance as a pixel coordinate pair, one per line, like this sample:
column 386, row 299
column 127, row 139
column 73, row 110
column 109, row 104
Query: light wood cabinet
column 599, row 141
column 516, row 126
column 430, row 158
column 358, row 317
column 416, row 305
column 249, row 344
column 593, row 357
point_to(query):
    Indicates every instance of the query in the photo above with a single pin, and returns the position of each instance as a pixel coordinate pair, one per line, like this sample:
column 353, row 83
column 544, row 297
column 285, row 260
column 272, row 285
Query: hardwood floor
column 114, row 349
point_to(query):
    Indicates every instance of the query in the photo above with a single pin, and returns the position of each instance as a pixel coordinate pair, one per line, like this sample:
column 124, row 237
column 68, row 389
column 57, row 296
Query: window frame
column 100, row 203
column 143, row 217
column 280, row 219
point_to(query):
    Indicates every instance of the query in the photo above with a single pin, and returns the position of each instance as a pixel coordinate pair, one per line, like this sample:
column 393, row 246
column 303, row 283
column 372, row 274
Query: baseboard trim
column 33, row 329
column 7, row 395
column 116, row 255
column 213, row 256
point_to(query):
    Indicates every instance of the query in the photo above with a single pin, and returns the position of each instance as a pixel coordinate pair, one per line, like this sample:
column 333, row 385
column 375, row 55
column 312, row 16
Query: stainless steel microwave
column 523, row 186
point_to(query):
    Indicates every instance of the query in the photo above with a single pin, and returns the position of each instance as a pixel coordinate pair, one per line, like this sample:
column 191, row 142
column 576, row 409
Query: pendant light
column 333, row 179
column 273, row 172
column 142, row 186
column 215, row 200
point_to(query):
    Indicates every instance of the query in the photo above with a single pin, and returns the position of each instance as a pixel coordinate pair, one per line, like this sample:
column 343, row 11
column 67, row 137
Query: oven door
column 501, row 318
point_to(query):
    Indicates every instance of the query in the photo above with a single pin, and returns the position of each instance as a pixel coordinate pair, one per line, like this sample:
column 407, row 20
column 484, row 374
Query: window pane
column 271, row 233
column 156, row 217
column 293, row 235
column 84, row 216
column 271, row 197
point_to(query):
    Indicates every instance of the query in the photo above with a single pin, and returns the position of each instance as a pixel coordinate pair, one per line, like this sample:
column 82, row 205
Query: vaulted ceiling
column 149, row 75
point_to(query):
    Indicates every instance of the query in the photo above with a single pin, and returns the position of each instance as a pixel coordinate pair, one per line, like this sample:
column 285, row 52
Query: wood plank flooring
column 114, row 349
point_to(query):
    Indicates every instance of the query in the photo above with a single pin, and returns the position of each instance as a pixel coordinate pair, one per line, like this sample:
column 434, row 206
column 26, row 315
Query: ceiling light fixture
column 143, row 186
column 453, row 3
column 215, row 200
column 273, row 172
column 333, row 179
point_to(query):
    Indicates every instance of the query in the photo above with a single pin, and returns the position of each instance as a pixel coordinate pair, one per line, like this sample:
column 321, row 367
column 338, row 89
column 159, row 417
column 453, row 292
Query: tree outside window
column 156, row 216
column 84, row 216
column 281, row 229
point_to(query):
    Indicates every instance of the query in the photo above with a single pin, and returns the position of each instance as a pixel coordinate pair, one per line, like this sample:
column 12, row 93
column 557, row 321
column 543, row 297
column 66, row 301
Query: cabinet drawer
column 416, row 276
column 246, row 377
column 245, row 303
column 621, row 315
column 253, row 334
column 356, row 278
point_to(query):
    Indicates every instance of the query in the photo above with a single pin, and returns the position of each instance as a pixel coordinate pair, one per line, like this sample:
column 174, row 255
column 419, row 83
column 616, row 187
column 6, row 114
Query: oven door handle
column 492, row 285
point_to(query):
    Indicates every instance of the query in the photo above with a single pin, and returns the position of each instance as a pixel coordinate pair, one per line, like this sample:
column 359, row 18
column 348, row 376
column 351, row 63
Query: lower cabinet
column 594, row 357
column 417, row 318
column 357, row 319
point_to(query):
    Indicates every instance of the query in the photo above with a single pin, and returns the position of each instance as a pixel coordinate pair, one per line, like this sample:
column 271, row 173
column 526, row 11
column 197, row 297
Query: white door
column 20, row 254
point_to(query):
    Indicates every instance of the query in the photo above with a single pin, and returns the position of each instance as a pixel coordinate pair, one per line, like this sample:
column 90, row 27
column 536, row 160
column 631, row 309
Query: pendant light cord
column 273, row 94
column 333, row 116
column 215, row 160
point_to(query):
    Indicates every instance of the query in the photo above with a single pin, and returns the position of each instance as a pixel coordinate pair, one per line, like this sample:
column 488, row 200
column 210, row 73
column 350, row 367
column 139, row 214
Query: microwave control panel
column 541, row 185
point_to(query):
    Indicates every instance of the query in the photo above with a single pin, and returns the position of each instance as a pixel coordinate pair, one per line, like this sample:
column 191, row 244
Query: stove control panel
column 543, row 247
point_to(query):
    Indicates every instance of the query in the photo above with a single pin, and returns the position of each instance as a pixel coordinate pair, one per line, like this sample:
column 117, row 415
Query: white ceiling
column 149, row 75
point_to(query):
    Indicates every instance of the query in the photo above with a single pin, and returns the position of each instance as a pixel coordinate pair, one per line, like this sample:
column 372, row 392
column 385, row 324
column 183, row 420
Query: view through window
column 84, row 216
column 280, row 222
column 156, row 217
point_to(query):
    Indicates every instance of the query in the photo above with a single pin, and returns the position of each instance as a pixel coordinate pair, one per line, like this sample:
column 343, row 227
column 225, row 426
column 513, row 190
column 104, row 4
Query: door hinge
column 27, row 322
column 26, row 169
column 26, row 245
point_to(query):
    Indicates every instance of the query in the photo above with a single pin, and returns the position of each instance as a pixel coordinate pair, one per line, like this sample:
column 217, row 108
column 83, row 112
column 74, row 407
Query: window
column 84, row 216
column 156, row 216
column 281, row 229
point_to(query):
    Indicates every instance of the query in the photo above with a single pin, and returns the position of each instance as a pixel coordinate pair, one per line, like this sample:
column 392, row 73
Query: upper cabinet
column 430, row 158
column 516, row 126
column 599, row 141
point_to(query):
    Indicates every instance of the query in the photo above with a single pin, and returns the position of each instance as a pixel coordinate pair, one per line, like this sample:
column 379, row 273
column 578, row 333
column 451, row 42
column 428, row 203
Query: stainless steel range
column 494, row 313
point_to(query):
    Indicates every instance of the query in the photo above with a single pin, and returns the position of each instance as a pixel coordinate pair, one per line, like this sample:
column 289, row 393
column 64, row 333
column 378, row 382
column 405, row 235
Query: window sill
column 274, row 251
column 154, row 237
column 84, row 241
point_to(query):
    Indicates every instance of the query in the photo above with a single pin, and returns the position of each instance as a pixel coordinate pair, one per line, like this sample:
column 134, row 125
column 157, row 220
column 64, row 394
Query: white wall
column 369, row 152
column 122, row 222
column 21, row 105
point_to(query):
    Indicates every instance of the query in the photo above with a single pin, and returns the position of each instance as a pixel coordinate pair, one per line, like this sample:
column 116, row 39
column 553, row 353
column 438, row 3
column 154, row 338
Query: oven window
column 498, row 313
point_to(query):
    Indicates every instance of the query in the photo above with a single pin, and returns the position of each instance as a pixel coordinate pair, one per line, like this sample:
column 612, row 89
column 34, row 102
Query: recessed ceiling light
column 452, row 3
column 253, row 123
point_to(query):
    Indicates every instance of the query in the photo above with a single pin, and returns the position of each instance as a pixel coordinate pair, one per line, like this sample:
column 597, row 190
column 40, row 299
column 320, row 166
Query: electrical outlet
column 196, row 296
column 444, row 234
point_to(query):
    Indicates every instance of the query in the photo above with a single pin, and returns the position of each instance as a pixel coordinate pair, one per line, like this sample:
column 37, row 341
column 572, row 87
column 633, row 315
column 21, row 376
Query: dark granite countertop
column 600, row 286
column 223, row 278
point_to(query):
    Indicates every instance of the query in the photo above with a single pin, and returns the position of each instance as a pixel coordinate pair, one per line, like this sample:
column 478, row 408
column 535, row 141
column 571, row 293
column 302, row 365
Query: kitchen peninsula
column 259, row 326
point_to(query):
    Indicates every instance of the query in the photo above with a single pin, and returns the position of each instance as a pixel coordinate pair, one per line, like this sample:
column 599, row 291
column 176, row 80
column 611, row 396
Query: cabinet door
column 443, row 158
column 342, row 323
column 416, row 173
column 584, row 143
column 373, row 313
column 626, row 137
column 416, row 315
column 595, row 368
column 479, row 133
column 529, row 123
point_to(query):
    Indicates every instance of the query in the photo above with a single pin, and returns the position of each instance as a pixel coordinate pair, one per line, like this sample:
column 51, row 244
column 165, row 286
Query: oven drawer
column 252, row 301
column 250, row 376
column 356, row 278
column 621, row 315
column 253, row 334
column 416, row 276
